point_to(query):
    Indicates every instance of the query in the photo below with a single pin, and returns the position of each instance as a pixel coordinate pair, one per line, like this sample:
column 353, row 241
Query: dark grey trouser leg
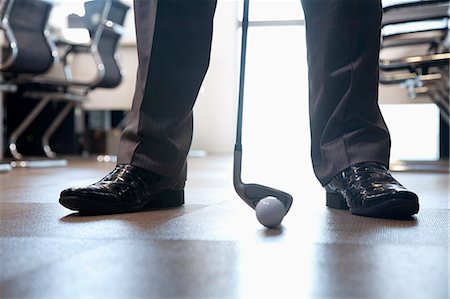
column 343, row 38
column 174, row 42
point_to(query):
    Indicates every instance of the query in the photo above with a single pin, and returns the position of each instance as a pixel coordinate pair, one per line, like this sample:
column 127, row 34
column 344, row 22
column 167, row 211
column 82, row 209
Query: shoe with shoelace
column 368, row 189
column 125, row 189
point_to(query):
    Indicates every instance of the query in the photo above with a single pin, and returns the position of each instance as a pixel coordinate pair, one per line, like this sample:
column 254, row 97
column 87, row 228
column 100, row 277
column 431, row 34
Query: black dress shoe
column 126, row 189
column 368, row 189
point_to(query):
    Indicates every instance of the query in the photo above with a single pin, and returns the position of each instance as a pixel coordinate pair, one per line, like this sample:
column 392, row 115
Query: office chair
column 27, row 50
column 419, row 24
column 104, row 21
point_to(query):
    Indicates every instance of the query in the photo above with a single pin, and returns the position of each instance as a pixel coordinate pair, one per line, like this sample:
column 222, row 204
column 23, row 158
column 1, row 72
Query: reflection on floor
column 213, row 247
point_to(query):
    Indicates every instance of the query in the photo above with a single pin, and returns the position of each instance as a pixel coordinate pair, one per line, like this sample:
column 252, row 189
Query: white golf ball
column 270, row 211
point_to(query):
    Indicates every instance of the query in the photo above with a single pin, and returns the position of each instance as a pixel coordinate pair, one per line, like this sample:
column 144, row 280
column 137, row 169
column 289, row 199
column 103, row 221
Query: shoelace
column 116, row 175
column 368, row 178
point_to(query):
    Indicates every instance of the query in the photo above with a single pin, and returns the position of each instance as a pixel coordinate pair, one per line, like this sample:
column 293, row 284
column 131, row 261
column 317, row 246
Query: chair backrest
column 103, row 10
column 410, row 3
column 102, row 19
column 28, row 50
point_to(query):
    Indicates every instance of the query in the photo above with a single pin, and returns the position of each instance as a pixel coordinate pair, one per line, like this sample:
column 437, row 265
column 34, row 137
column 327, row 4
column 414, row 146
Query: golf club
column 250, row 193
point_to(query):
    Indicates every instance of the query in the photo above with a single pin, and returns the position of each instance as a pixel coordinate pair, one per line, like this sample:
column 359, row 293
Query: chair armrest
column 114, row 27
column 4, row 64
column 407, row 63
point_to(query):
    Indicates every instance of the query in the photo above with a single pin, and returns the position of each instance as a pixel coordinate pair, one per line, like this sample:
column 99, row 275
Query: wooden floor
column 213, row 247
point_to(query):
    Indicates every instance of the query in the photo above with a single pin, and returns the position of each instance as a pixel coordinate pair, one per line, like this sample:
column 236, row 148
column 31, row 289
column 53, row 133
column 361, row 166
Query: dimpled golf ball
column 270, row 211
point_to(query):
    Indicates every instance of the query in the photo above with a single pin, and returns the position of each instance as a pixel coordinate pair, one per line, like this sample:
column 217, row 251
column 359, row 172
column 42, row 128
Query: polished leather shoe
column 368, row 189
column 126, row 189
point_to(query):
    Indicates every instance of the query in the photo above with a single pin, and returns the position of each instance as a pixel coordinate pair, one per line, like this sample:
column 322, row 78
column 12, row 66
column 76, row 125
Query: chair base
column 439, row 166
column 39, row 163
column 5, row 167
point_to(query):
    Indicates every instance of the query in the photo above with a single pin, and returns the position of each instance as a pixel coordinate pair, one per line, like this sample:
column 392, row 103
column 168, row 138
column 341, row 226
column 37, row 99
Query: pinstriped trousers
column 174, row 42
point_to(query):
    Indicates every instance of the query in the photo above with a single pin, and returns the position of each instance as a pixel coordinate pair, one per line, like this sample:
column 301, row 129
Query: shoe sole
column 393, row 208
column 162, row 199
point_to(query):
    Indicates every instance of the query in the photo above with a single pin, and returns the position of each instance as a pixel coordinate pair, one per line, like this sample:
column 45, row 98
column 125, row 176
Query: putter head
column 253, row 193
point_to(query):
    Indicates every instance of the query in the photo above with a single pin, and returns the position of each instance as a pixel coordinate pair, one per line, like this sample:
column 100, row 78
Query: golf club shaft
column 238, row 146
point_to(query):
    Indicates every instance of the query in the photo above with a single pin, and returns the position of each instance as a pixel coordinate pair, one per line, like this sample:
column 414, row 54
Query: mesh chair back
column 100, row 18
column 27, row 20
column 95, row 12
